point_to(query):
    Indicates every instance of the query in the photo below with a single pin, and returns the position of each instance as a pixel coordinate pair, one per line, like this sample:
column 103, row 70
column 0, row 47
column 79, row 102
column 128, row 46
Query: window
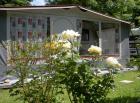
column 24, row 23
column 12, row 35
column 29, row 35
column 19, row 35
column 39, row 35
column 39, row 21
column 12, row 22
column 43, row 26
column 30, row 21
column 19, row 20
column 34, row 25
column 25, row 27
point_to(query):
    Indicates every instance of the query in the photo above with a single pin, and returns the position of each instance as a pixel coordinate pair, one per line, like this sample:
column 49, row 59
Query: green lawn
column 125, row 93
column 5, row 98
column 122, row 93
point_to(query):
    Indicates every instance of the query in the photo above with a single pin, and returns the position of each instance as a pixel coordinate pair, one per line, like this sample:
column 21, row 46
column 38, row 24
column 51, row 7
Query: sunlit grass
column 123, row 92
column 6, row 98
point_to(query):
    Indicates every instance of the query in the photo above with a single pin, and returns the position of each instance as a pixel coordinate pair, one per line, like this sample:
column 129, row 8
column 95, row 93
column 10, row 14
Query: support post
column 100, row 34
column 120, row 47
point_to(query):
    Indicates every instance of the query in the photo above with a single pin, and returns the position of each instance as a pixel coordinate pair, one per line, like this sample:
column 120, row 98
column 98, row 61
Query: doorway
column 89, row 35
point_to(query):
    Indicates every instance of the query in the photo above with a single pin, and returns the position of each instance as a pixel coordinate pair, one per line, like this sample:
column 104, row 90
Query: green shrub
column 60, row 69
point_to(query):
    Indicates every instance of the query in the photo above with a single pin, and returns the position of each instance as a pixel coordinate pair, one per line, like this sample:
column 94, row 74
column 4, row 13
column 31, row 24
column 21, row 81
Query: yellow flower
column 95, row 50
column 52, row 45
column 113, row 62
column 69, row 34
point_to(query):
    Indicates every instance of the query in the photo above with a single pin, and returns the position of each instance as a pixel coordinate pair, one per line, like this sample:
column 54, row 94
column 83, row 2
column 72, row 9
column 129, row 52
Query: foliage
column 123, row 9
column 135, row 60
column 46, row 69
column 84, row 86
column 9, row 3
column 80, row 2
column 36, row 82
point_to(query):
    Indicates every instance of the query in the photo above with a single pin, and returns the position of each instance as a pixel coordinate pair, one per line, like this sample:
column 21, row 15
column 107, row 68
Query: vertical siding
column 3, row 25
column 61, row 23
column 125, row 30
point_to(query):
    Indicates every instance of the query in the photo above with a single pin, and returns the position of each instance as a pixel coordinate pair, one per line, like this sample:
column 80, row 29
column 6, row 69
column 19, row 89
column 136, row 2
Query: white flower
column 66, row 45
column 95, row 50
column 54, row 56
column 61, row 41
column 68, row 55
column 69, row 34
column 113, row 62
column 77, row 34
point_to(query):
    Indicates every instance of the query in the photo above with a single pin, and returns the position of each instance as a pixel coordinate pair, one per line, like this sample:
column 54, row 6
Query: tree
column 123, row 9
column 10, row 3
column 86, row 3
column 136, row 13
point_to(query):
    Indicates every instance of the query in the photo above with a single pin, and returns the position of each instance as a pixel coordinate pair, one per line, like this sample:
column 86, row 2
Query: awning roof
column 61, row 7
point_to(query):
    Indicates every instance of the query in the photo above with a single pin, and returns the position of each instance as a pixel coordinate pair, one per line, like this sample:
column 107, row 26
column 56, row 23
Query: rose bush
column 95, row 50
column 55, row 69
column 69, row 34
column 113, row 62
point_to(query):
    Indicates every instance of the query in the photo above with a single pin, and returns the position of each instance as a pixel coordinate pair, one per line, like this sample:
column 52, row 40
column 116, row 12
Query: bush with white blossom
column 69, row 34
column 61, row 72
column 95, row 50
column 113, row 62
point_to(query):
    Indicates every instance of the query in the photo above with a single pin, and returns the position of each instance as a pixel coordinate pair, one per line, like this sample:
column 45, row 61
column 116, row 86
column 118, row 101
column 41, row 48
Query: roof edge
column 110, row 17
column 32, row 6
column 63, row 7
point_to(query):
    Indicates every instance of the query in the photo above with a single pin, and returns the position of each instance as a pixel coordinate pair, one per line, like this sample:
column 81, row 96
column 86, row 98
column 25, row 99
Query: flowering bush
column 113, row 62
column 69, row 34
column 47, row 69
column 95, row 50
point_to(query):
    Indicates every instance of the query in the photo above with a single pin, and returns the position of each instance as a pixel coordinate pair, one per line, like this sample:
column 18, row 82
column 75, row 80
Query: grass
column 125, row 93
column 122, row 93
column 6, row 98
